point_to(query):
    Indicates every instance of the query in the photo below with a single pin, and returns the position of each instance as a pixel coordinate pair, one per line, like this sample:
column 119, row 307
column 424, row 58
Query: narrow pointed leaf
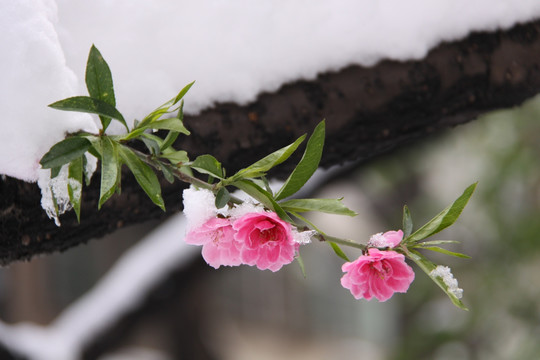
column 446, row 252
column 407, row 222
column 444, row 219
column 262, row 196
column 301, row 264
column 307, row 165
column 75, row 183
column 338, row 251
column 90, row 105
column 436, row 242
column 110, row 170
column 98, row 78
column 65, row 151
column 144, row 175
column 99, row 82
column 329, row 206
column 260, row 167
column 166, row 108
column 169, row 140
column 183, row 92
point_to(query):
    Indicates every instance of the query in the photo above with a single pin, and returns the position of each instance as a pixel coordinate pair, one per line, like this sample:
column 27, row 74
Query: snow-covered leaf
column 75, row 180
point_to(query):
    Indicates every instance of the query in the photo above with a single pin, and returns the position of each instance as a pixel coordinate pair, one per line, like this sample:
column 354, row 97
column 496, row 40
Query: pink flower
column 388, row 239
column 267, row 241
column 378, row 274
column 217, row 238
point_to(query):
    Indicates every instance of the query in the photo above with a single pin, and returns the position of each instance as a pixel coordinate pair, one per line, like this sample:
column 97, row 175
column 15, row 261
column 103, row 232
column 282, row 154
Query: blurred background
column 243, row 313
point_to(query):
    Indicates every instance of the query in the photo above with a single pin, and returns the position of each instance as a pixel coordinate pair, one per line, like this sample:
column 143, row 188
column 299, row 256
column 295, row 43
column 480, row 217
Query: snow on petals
column 377, row 274
column 199, row 206
column 267, row 241
column 241, row 234
column 389, row 239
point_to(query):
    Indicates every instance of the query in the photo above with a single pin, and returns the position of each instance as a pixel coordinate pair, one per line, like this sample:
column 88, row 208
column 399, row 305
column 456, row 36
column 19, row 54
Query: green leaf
column 444, row 219
column 90, row 105
column 301, row 264
column 176, row 157
column 55, row 171
column 167, row 173
column 262, row 196
column 222, row 197
column 98, row 77
column 183, row 92
column 154, row 138
column 110, row 170
column 151, row 143
column 99, row 81
column 65, row 151
column 75, row 180
column 436, row 242
column 173, row 124
column 427, row 266
column 444, row 251
column 338, row 251
column 144, row 175
column 207, row 164
column 169, row 140
column 165, row 108
column 262, row 166
column 329, row 206
column 307, row 165
column 309, row 223
column 407, row 222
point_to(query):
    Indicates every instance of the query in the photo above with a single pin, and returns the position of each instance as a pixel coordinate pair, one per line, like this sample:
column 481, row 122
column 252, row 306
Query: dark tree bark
column 369, row 111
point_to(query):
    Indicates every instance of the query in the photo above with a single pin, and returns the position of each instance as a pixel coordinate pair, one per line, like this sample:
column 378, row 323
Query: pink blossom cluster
column 378, row 273
column 246, row 234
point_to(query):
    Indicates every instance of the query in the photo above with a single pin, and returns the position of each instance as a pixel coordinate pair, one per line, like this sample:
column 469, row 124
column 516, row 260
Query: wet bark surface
column 368, row 111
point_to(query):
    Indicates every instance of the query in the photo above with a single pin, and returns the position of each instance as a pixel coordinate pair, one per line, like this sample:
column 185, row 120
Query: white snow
column 233, row 49
column 54, row 193
column 447, row 277
column 122, row 289
column 199, row 206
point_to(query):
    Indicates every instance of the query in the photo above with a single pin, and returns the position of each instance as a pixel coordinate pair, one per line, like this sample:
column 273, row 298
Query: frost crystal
column 58, row 204
column 303, row 237
column 377, row 240
column 57, row 187
column 445, row 274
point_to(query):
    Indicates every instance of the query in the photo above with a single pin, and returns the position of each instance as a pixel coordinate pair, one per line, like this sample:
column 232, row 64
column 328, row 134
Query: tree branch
column 369, row 111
